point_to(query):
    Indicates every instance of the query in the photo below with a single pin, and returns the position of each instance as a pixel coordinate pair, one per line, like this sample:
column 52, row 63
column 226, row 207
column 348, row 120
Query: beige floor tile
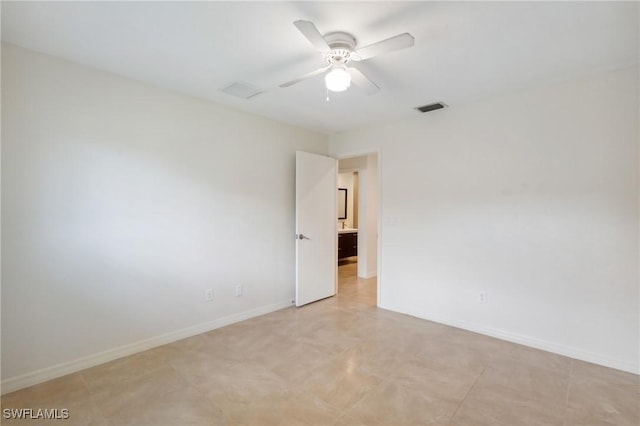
column 271, row 411
column 393, row 404
column 498, row 405
column 330, row 340
column 242, row 343
column 512, row 392
column 123, row 369
column 586, row 370
column 535, row 358
column 50, row 394
column 66, row 393
column 427, row 378
column 183, row 407
column 376, row 361
column 340, row 361
column 347, row 420
column 242, row 383
column 461, row 357
column 340, row 383
column 542, row 387
column 599, row 402
column 603, row 396
column 278, row 350
column 80, row 413
column 199, row 363
column 135, row 391
column 296, row 369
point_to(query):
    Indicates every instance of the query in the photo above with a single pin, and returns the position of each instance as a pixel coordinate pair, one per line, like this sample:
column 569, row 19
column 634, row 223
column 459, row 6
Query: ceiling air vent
column 242, row 90
column 431, row 107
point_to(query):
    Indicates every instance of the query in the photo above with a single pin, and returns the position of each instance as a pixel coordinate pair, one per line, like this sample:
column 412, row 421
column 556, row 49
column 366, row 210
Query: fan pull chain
column 327, row 95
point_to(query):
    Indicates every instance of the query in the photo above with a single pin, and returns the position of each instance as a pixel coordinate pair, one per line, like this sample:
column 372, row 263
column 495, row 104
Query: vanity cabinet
column 347, row 244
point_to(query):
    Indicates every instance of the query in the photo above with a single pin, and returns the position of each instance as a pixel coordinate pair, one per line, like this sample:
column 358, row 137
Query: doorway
column 358, row 178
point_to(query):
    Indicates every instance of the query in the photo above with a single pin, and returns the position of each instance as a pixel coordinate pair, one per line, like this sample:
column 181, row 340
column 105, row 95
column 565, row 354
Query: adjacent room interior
column 483, row 231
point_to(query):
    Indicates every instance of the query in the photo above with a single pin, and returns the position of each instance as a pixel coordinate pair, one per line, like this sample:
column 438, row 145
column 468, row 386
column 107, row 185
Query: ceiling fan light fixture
column 339, row 48
column 337, row 80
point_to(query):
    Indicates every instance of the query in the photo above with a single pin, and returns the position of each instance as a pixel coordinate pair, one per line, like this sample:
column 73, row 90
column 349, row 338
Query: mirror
column 342, row 203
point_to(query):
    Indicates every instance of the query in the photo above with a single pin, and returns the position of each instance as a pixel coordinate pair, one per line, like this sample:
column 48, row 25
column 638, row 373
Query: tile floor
column 340, row 361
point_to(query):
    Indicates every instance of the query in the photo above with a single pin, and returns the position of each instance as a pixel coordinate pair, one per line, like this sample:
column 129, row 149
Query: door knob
column 302, row 237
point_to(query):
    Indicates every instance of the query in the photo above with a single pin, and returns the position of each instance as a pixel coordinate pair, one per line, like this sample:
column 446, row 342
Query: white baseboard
column 59, row 370
column 368, row 275
column 533, row 342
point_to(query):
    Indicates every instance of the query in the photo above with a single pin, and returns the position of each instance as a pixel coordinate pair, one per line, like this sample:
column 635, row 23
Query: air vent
column 431, row 107
column 242, row 90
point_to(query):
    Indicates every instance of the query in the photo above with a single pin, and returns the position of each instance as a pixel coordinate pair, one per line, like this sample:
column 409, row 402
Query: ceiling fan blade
column 309, row 30
column 306, row 76
column 362, row 81
column 398, row 42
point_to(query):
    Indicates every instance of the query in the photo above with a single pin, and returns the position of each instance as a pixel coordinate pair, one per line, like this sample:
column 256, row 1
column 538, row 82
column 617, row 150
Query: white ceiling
column 464, row 51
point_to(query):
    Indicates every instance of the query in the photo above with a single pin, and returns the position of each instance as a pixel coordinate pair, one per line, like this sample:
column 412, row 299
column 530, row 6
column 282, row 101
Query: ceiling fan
column 338, row 49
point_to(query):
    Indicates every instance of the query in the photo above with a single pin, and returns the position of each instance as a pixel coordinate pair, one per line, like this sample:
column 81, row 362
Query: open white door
column 316, row 221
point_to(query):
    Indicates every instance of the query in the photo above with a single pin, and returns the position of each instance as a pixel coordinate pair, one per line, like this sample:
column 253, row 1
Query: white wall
column 373, row 206
column 121, row 204
column 345, row 180
column 368, row 218
column 532, row 197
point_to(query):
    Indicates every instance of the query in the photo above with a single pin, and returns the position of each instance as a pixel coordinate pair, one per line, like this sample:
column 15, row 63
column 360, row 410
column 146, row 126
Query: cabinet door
column 348, row 245
column 341, row 246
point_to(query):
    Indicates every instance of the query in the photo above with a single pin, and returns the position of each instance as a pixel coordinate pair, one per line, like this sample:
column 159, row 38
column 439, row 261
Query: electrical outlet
column 482, row 297
column 238, row 290
column 208, row 295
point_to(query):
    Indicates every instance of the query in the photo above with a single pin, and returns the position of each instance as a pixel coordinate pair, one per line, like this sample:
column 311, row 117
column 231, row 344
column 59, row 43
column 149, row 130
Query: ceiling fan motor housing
column 342, row 45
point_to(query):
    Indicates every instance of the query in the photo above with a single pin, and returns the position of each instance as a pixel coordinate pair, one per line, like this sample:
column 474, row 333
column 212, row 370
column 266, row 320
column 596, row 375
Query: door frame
column 364, row 153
